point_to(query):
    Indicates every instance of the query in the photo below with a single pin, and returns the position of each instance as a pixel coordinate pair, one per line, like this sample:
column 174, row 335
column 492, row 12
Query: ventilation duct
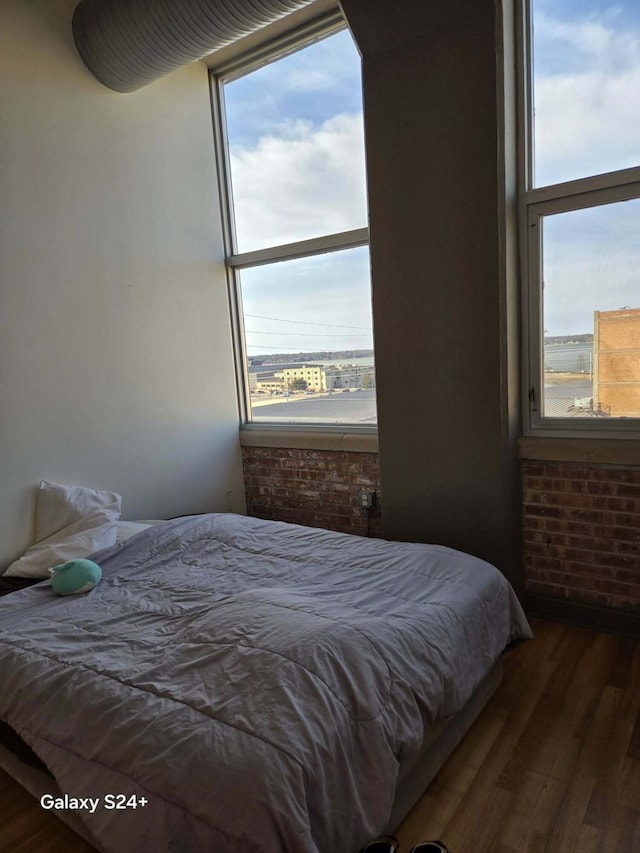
column 127, row 44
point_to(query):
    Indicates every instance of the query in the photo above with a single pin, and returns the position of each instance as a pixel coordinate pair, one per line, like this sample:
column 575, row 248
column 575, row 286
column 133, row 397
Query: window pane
column 591, row 312
column 586, row 56
column 309, row 340
column 296, row 146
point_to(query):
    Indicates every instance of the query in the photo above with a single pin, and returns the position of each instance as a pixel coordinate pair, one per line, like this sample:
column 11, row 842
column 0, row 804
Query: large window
column 292, row 150
column 581, row 209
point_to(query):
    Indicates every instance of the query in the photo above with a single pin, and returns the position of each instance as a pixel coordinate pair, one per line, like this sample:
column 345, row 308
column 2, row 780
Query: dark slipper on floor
column 430, row 847
column 386, row 844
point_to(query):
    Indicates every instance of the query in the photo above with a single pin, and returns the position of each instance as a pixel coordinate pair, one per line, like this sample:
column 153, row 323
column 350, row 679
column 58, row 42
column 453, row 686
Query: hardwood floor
column 551, row 766
column 26, row 828
column 553, row 762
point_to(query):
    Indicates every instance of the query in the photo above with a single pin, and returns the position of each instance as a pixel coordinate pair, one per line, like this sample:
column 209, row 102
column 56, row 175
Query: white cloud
column 587, row 87
column 591, row 260
column 331, row 289
column 588, row 40
column 587, row 119
column 309, row 80
column 301, row 183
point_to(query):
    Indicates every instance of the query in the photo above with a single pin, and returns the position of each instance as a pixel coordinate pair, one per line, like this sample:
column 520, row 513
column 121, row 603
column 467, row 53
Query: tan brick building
column 616, row 362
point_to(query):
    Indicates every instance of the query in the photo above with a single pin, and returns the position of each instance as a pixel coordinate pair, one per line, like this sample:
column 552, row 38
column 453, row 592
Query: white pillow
column 127, row 529
column 70, row 522
column 59, row 506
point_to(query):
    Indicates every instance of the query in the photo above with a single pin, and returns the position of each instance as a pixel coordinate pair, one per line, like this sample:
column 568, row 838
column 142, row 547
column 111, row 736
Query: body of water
column 271, row 368
column 366, row 360
column 565, row 358
column 359, row 407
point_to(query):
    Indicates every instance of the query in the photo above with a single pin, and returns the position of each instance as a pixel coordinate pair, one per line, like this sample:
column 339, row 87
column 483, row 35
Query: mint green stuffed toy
column 75, row 576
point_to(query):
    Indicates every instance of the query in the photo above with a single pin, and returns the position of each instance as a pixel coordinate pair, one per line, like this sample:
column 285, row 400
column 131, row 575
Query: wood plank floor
column 553, row 763
column 551, row 766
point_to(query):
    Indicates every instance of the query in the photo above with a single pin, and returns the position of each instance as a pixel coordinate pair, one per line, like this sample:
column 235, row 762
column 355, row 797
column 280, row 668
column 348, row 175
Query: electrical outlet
column 367, row 499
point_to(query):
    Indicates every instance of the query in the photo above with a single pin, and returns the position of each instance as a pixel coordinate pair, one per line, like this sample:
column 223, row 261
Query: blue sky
column 311, row 85
column 586, row 87
column 297, row 166
column 331, row 307
column 587, row 122
column 297, row 155
column 592, row 262
column 297, row 146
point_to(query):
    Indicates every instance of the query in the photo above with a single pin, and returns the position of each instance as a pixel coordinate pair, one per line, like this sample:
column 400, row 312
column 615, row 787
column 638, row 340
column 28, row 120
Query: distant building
column 312, row 374
column 316, row 377
column 616, row 362
column 350, row 376
column 270, row 386
column 264, row 381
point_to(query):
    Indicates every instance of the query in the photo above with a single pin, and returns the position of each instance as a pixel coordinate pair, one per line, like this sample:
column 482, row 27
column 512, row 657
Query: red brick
column 630, row 604
column 581, row 526
column 609, row 473
column 589, row 543
column 590, row 515
column 570, row 472
column 316, row 488
column 614, row 504
column 630, row 548
column 539, row 509
column 570, row 499
column 546, row 589
column 600, row 487
column 628, row 519
column 613, row 587
column 627, row 534
column 545, row 562
column 578, row 528
column 589, row 597
column 533, row 469
column 617, row 561
column 630, row 575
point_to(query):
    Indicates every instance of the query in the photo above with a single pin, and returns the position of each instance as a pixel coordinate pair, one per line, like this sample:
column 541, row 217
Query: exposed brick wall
column 582, row 532
column 313, row 487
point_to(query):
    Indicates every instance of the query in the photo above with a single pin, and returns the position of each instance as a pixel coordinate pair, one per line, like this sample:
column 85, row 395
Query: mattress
column 440, row 740
column 261, row 686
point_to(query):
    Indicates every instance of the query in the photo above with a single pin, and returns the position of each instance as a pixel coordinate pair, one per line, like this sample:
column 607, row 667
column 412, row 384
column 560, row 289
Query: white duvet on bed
column 257, row 683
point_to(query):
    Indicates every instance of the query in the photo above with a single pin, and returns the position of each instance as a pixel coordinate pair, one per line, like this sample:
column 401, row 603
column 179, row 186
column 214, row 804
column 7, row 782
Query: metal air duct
column 127, row 44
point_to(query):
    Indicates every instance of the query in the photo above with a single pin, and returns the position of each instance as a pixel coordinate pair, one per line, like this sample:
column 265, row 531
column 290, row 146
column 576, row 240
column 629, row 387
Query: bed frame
column 415, row 774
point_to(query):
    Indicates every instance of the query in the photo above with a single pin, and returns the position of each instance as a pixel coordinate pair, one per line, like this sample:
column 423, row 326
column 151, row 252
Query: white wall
column 115, row 352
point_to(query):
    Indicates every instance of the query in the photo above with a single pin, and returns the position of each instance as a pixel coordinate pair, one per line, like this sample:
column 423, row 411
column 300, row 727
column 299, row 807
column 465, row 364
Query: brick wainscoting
column 313, row 487
column 582, row 533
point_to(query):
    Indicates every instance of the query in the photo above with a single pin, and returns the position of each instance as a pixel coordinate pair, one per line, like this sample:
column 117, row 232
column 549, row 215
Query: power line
column 272, row 348
column 286, row 352
column 306, row 322
column 304, row 334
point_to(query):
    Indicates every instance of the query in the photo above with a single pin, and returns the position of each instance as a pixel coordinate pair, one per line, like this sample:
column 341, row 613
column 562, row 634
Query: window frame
column 534, row 204
column 271, row 51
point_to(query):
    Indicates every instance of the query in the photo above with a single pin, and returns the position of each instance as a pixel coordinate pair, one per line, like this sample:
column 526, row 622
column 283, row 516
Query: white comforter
column 257, row 683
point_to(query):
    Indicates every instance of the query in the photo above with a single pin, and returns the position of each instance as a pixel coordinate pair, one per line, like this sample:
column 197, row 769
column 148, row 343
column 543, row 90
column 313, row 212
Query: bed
column 250, row 685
